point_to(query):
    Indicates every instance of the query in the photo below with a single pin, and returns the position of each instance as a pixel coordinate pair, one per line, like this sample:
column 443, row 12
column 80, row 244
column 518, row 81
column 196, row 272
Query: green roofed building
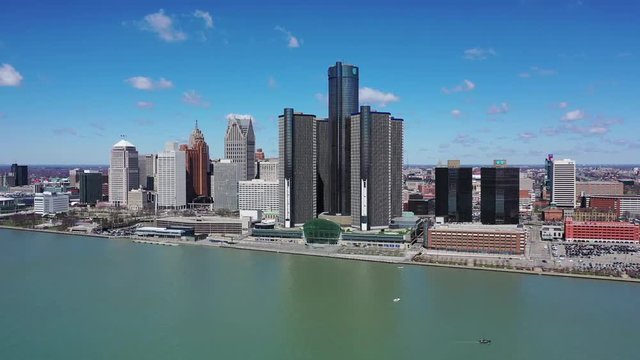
column 321, row 231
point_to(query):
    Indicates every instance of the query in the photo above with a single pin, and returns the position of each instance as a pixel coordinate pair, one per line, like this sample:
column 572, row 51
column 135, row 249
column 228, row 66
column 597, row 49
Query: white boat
column 396, row 299
column 400, row 267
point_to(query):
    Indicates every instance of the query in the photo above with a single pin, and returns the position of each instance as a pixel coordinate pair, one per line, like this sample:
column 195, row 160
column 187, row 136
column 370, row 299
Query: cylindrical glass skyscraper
column 343, row 101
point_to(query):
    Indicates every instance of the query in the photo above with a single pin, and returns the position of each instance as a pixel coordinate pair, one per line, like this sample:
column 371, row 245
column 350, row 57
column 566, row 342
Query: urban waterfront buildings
column 376, row 168
column 171, row 178
column 197, row 165
column 454, row 192
column 258, row 194
column 343, row 101
column 240, row 144
column 563, row 183
column 601, row 231
column 140, row 199
column 123, row 172
column 498, row 239
column 227, row 175
column 90, row 186
column 622, row 205
column 500, row 196
column 297, row 168
column 50, row 203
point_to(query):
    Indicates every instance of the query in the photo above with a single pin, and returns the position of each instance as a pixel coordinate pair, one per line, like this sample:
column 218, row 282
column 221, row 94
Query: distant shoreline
column 377, row 259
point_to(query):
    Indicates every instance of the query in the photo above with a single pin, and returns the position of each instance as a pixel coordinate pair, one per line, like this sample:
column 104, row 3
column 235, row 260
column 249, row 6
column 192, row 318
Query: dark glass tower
column 454, row 195
column 500, row 199
column 343, row 101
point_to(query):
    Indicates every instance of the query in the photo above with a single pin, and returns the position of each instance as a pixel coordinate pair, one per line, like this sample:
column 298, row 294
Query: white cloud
column 193, row 98
column 456, row 113
column 526, row 136
column 146, row 83
column 498, row 109
column 233, row 116
column 537, row 72
column 466, row 85
column 204, row 15
column 563, row 104
column 272, row 83
column 293, row 41
column 9, row 76
column 479, row 53
column 573, row 115
column 369, row 96
column 598, row 130
column 162, row 25
column 144, row 104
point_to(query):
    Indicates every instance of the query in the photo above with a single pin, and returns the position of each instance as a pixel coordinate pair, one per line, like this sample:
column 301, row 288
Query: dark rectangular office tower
column 90, row 187
column 376, row 169
column 454, row 194
column 297, row 168
column 500, row 196
column 343, row 101
column 21, row 173
column 323, row 153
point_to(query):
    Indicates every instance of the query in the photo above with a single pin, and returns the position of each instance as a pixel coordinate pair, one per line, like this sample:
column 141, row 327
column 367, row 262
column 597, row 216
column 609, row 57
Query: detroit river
column 71, row 297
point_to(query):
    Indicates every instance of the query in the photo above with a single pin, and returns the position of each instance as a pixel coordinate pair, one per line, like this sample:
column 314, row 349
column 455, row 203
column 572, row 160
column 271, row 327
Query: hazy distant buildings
column 454, row 192
column 171, row 178
column 90, row 186
column 197, row 165
column 49, row 203
column 258, row 194
column 74, row 177
column 563, row 183
column 227, row 174
column 585, row 188
column 297, row 167
column 500, row 199
column 343, row 101
column 240, row 144
column 376, row 168
column 123, row 172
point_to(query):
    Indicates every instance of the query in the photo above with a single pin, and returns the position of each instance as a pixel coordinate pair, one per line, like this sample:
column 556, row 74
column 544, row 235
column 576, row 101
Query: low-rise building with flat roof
column 495, row 239
column 601, row 231
column 208, row 224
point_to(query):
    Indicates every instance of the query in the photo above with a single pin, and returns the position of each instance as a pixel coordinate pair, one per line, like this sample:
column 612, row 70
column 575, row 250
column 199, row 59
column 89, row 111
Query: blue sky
column 474, row 80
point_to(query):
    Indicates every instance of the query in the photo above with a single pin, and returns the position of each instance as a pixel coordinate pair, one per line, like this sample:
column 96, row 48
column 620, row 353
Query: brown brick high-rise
column 198, row 174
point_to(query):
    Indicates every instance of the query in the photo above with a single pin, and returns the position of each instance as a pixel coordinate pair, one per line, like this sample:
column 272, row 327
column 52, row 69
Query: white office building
column 123, row 172
column 171, row 178
column 563, row 183
column 258, row 194
column 49, row 203
column 267, row 170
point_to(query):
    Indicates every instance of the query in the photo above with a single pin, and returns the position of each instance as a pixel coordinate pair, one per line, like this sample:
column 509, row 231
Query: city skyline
column 567, row 89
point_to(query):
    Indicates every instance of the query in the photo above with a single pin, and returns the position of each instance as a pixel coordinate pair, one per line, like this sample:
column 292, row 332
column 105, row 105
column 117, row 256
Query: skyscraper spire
column 196, row 123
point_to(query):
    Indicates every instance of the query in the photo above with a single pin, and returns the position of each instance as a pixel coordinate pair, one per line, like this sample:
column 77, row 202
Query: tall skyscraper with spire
column 343, row 101
column 197, row 165
column 240, row 144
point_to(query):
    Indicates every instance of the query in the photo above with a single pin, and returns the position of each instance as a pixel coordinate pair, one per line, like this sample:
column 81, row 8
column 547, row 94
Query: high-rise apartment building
column 376, row 168
column 90, row 186
column 227, row 175
column 563, row 183
column 297, row 168
column 343, row 101
column 123, row 172
column 171, row 178
column 500, row 195
column 198, row 165
column 454, row 192
column 240, row 144
column 258, row 194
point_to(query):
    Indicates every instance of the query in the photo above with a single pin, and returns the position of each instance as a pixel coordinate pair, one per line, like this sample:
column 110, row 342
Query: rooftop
column 479, row 227
column 123, row 143
column 201, row 219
